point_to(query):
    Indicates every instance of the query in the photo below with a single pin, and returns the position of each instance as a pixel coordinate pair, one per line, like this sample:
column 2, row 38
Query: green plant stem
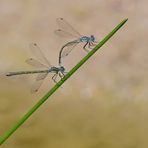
column 49, row 93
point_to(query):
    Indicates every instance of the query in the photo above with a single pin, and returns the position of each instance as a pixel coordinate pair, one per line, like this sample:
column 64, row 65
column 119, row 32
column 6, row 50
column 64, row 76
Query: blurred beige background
column 104, row 104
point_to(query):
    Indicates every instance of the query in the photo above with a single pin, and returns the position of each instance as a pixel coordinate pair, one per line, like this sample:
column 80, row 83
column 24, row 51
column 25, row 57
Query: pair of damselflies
column 65, row 30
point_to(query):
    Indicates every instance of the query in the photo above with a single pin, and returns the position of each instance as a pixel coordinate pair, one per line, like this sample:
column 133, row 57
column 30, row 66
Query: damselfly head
column 92, row 38
column 62, row 69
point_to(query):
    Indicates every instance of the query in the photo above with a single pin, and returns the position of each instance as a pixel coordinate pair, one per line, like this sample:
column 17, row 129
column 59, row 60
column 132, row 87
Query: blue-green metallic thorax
column 87, row 39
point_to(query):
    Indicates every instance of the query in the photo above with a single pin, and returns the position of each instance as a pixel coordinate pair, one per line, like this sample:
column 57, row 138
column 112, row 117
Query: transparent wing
column 65, row 26
column 39, row 54
column 67, row 49
column 39, row 80
column 41, row 76
column 64, row 34
column 35, row 63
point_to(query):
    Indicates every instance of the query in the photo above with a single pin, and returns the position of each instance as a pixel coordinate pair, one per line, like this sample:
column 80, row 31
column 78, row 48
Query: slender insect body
column 26, row 72
column 52, row 69
column 66, row 30
column 41, row 74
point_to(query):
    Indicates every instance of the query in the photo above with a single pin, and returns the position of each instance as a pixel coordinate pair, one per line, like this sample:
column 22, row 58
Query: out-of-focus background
column 104, row 104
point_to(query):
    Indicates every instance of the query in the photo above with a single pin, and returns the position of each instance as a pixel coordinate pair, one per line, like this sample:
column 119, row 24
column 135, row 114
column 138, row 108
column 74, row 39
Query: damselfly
column 48, row 68
column 66, row 30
